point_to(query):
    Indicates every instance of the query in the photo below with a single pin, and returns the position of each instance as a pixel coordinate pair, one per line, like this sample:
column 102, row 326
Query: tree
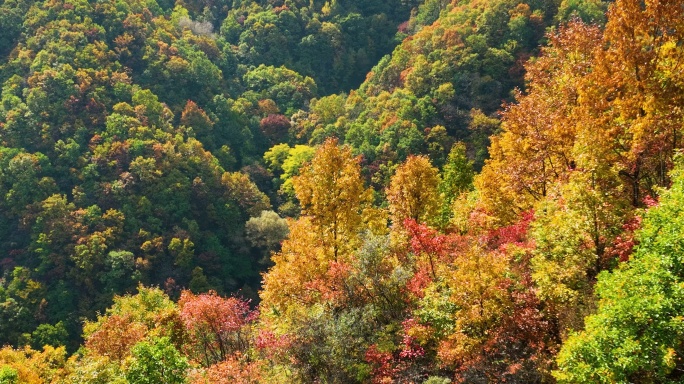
column 476, row 314
column 572, row 233
column 300, row 265
column 231, row 370
column 8, row 375
column 218, row 327
column 412, row 192
column 194, row 117
column 48, row 334
column 635, row 103
column 31, row 366
column 457, row 178
column 535, row 149
column 636, row 334
column 267, row 231
column 115, row 337
column 287, row 88
column 128, row 321
column 589, row 11
column 331, row 192
column 20, row 305
column 275, row 128
column 157, row 362
column 286, row 162
column 242, row 190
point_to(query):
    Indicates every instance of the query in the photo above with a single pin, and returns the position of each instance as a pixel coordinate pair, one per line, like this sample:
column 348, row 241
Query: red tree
column 218, row 327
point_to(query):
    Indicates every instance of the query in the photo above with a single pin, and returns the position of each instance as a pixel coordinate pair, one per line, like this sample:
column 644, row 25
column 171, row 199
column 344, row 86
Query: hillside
column 267, row 191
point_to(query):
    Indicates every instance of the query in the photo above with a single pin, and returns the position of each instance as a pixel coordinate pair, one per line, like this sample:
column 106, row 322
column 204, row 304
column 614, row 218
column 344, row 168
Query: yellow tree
column 534, row 151
column 631, row 111
column 309, row 281
column 412, row 193
column 474, row 282
column 32, row 367
column 331, row 192
column 299, row 268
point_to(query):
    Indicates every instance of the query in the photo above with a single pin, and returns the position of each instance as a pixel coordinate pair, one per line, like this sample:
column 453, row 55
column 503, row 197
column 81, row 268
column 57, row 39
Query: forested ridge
column 289, row 191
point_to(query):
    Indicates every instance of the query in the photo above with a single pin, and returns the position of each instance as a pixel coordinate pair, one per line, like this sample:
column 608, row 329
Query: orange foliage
column 116, row 336
column 35, row 367
column 535, row 149
column 234, row 370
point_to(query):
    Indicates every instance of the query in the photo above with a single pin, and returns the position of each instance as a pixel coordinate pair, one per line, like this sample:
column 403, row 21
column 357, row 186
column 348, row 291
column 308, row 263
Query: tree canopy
column 410, row 191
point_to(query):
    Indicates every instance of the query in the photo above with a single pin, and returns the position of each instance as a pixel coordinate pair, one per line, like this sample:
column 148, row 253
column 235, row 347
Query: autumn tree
column 314, row 259
column 298, row 268
column 635, row 104
column 195, row 118
column 231, row 370
column 477, row 315
column 314, row 306
column 128, row 321
column 27, row 365
column 275, row 128
column 535, row 149
column 116, row 337
column 217, row 327
column 331, row 191
column 412, row 192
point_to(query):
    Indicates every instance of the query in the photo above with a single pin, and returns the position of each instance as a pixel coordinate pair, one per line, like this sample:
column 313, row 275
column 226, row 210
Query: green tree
column 457, row 178
column 267, row 230
column 8, row 375
column 286, row 162
column 589, row 11
column 157, row 362
column 637, row 333
column 48, row 334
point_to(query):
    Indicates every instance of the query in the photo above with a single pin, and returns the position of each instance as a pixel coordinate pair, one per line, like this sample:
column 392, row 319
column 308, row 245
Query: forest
column 341, row 191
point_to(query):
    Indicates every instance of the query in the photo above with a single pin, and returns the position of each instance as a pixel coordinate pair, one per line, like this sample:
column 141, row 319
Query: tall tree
column 331, row 191
column 635, row 105
column 412, row 192
column 534, row 151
